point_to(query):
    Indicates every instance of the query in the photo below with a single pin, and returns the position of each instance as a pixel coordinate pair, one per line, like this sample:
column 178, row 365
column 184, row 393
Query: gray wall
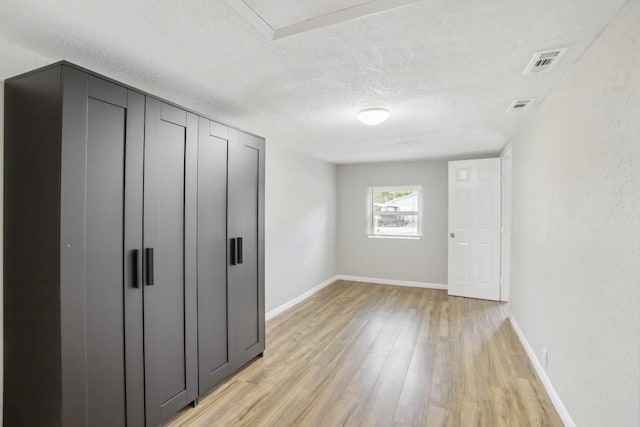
column 576, row 242
column 300, row 224
column 423, row 260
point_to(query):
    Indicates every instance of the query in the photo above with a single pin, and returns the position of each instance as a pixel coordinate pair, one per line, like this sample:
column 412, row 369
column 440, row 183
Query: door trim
column 506, row 202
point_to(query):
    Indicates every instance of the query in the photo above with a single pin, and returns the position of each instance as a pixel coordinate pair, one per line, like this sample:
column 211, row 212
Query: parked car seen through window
column 394, row 211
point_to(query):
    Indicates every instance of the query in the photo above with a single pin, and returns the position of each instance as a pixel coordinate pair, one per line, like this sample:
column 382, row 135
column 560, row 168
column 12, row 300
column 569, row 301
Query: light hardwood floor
column 360, row 354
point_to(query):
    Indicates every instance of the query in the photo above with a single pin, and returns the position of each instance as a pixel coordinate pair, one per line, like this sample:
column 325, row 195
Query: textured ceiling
column 446, row 69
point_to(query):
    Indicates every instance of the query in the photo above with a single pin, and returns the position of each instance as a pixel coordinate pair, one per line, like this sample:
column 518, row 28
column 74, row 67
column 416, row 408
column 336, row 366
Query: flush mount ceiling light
column 373, row 116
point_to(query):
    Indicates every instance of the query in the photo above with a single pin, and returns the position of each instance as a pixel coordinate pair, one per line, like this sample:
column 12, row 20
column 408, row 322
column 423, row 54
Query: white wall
column 300, row 224
column 576, row 242
column 423, row 260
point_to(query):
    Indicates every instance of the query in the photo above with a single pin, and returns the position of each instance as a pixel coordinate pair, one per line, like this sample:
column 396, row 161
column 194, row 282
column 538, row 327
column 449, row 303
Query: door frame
column 506, row 201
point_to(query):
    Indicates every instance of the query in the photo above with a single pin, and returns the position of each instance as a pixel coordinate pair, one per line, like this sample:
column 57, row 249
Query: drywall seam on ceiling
column 343, row 15
column 253, row 17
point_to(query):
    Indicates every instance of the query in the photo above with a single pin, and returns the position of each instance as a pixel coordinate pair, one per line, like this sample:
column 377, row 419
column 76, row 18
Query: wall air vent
column 520, row 104
column 544, row 61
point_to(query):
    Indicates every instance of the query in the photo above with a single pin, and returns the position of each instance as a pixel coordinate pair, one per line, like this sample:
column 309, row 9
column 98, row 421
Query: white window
column 394, row 211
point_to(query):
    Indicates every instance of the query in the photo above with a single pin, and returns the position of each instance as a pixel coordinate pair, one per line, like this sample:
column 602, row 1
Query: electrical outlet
column 545, row 357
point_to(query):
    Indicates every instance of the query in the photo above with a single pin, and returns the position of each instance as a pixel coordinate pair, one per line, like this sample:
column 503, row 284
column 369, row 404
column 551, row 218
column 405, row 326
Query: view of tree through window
column 387, row 196
column 394, row 211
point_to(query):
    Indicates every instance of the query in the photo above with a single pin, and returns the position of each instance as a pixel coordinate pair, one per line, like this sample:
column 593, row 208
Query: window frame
column 371, row 213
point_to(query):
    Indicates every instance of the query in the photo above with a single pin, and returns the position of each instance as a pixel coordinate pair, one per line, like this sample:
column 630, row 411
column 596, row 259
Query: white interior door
column 474, row 228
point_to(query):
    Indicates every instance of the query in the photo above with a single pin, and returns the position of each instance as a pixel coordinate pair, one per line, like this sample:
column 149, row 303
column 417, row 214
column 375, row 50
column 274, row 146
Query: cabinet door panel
column 134, row 345
column 212, row 257
column 102, row 123
column 169, row 258
column 247, row 217
column 246, row 296
column 104, row 264
column 169, row 299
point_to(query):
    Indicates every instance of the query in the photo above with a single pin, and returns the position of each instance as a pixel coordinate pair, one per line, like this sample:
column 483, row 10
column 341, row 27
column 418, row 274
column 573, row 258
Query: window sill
column 374, row 236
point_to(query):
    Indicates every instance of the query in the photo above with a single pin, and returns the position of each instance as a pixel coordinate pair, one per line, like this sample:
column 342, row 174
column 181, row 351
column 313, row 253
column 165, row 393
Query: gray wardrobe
column 134, row 252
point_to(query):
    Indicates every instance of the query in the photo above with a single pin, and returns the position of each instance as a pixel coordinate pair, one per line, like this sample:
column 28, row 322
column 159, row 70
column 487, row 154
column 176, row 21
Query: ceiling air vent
column 520, row 104
column 544, row 61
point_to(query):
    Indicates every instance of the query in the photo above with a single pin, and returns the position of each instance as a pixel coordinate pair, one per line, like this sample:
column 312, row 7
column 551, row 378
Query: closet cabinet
column 133, row 260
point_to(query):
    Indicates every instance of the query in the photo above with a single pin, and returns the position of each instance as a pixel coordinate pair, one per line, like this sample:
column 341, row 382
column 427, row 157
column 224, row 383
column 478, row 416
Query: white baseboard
column 542, row 374
column 394, row 282
column 287, row 305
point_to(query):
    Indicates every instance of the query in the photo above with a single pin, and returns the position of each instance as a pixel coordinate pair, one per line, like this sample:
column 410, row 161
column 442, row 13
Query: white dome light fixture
column 373, row 116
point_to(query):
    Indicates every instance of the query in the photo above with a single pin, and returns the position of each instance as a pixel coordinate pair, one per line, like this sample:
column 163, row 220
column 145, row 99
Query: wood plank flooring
column 360, row 354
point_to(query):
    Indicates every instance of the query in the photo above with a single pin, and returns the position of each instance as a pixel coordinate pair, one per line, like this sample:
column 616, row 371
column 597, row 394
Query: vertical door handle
column 136, row 267
column 240, row 251
column 232, row 251
column 150, row 269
